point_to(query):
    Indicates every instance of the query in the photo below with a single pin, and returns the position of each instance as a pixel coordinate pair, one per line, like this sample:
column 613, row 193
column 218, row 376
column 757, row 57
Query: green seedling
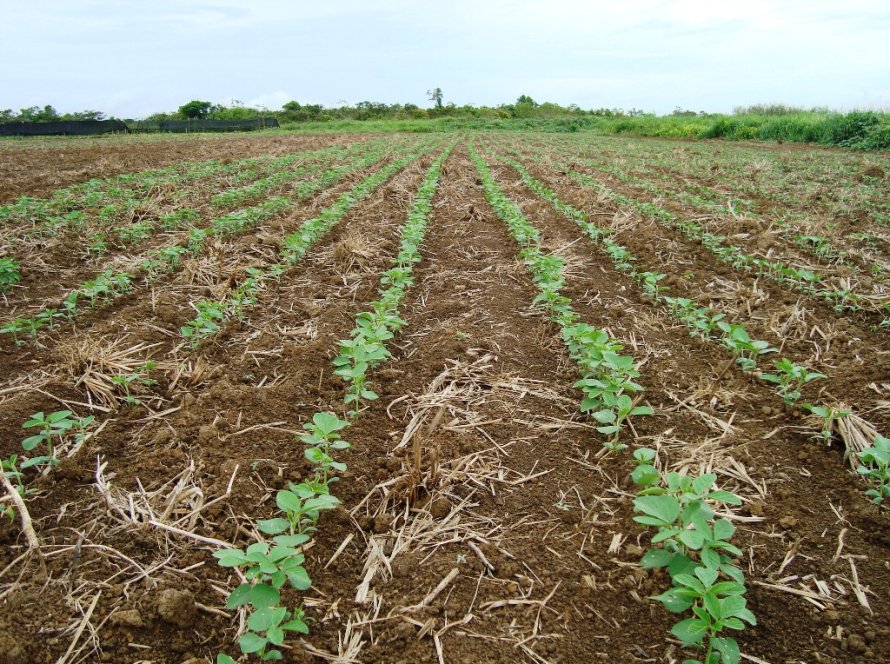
column 140, row 377
column 693, row 545
column 267, row 567
column 54, row 425
column 9, row 274
column 322, row 438
column 96, row 246
column 16, row 327
column 206, row 323
column 10, row 468
column 746, row 350
column 875, row 467
column 302, row 505
column 790, row 378
column 614, row 418
column 830, row 415
column 650, row 283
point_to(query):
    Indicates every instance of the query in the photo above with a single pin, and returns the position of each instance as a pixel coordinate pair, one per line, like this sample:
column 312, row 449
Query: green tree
column 196, row 110
column 435, row 95
column 37, row 114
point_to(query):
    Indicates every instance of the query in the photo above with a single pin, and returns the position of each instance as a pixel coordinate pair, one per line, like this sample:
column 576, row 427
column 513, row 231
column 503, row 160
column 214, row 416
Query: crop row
column 30, row 211
column 109, row 284
column 791, row 225
column 268, row 566
column 691, row 543
column 212, row 313
column 836, row 181
column 788, row 377
column 805, row 281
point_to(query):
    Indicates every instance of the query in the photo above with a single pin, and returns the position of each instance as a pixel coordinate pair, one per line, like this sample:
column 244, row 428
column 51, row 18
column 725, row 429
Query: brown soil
column 512, row 539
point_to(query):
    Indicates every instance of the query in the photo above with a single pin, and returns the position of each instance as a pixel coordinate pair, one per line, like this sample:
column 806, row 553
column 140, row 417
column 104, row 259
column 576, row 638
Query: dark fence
column 187, row 126
column 67, row 128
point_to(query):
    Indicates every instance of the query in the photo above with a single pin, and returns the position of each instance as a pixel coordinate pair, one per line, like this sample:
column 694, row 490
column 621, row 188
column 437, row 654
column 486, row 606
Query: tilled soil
column 481, row 518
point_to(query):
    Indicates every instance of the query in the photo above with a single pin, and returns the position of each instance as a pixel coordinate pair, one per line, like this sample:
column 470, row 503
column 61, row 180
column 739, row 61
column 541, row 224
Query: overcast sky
column 130, row 59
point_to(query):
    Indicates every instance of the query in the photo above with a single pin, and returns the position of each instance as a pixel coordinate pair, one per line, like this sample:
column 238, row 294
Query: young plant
column 9, row 274
column 139, row 376
column 614, row 418
column 9, row 467
column 267, row 567
column 206, row 323
column 875, row 466
column 54, row 425
column 829, row 415
column 694, row 547
column 745, row 349
column 324, row 436
column 790, row 378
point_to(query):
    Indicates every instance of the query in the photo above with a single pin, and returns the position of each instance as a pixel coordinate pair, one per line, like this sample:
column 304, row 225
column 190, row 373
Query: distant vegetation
column 863, row 130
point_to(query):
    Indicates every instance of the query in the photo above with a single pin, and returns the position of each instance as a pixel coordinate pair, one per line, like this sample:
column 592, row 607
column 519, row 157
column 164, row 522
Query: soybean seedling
column 9, row 467
column 745, row 349
column 267, row 568
column 875, row 467
column 323, row 436
column 829, row 415
column 140, row 376
column 790, row 378
column 9, row 273
column 613, row 419
column 55, row 424
column 694, row 547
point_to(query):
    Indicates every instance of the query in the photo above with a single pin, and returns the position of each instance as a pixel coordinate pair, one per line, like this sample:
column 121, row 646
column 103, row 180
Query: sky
column 130, row 59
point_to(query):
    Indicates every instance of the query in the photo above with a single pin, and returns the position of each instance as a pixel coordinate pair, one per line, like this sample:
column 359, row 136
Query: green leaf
column 655, row 558
column 328, row 422
column 296, row 625
column 222, row 658
column 230, row 557
column 287, row 501
column 694, row 539
column 710, row 558
column 664, row 508
column 265, row 618
column 239, row 597
column 273, row 526
column 725, row 497
column 723, row 529
column 275, row 636
column 690, row 631
column 706, row 575
column 673, row 601
column 728, row 648
column 263, row 596
column 703, row 482
column 299, row 578
column 291, row 540
column 251, row 643
column 31, row 442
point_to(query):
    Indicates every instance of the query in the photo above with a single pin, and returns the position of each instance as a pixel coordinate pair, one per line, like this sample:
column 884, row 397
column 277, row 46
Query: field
column 574, row 372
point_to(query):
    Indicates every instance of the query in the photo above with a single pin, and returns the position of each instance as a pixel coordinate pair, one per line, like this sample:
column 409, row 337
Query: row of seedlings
column 267, row 566
column 792, row 225
column 211, row 314
column 788, row 377
column 803, row 280
column 109, row 284
column 28, row 211
column 692, row 544
column 127, row 234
